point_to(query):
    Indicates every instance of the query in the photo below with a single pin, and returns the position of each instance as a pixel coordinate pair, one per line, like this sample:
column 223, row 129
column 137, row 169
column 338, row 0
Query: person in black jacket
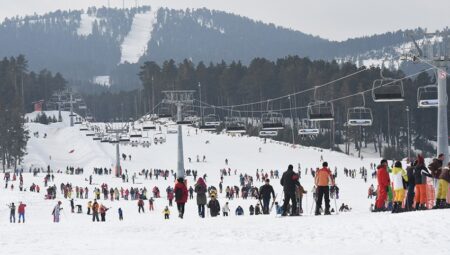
column 420, row 178
column 289, row 181
column 264, row 193
column 411, row 186
column 214, row 206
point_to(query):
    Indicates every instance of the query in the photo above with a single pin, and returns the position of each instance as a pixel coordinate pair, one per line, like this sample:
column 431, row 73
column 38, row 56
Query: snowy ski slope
column 356, row 232
column 135, row 43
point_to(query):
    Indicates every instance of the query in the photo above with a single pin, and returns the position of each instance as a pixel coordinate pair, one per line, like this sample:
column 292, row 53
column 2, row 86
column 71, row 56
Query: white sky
column 331, row 19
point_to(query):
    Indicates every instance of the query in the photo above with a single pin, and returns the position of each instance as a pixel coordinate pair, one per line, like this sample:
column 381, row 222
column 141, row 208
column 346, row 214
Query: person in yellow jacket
column 399, row 178
column 166, row 213
column 89, row 207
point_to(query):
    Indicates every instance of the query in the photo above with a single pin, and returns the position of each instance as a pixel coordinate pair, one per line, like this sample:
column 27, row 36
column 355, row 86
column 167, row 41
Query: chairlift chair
column 308, row 131
column 135, row 134
column 272, row 121
column 268, row 133
column 320, row 111
column 427, row 96
column 125, row 138
column 210, row 122
column 387, row 89
column 234, row 124
column 360, row 115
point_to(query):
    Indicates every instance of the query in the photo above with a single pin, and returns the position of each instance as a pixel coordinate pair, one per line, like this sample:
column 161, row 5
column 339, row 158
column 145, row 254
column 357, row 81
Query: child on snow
column 166, row 213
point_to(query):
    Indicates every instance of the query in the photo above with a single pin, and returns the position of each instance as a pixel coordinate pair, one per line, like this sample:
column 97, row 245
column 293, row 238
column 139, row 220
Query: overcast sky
column 331, row 19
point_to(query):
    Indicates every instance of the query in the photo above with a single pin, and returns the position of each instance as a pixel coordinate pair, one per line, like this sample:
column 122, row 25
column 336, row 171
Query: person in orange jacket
column 323, row 178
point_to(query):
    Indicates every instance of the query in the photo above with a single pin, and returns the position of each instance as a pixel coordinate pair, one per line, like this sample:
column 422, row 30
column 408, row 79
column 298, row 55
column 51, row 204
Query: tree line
column 19, row 89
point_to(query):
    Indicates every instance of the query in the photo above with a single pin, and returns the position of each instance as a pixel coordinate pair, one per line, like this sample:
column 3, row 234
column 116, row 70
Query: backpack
column 178, row 194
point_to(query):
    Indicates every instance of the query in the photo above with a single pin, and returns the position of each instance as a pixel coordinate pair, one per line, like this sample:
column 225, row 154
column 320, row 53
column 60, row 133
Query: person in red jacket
column 181, row 195
column 21, row 211
column 383, row 184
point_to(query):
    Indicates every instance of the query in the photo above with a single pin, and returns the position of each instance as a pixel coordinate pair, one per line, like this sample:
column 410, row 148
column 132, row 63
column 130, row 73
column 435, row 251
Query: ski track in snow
column 86, row 23
column 356, row 232
column 135, row 43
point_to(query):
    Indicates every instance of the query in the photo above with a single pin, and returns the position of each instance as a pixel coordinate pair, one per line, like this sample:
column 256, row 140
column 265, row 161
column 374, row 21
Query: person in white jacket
column 399, row 177
column 225, row 209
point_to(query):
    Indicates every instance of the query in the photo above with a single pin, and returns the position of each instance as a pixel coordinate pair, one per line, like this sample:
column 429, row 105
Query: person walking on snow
column 383, row 185
column 181, row 196
column 56, row 212
column 399, row 179
column 289, row 181
column 225, row 210
column 201, row 189
column 322, row 180
column 265, row 192
column 214, row 206
column 12, row 213
column 21, row 211
column 141, row 205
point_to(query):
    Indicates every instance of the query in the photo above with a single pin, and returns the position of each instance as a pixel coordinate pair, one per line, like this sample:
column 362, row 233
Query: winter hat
column 267, row 180
column 180, row 180
column 383, row 161
column 398, row 164
column 290, row 167
column 325, row 164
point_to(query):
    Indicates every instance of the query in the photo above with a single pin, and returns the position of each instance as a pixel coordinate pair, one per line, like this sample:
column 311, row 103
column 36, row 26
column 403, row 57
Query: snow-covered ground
column 86, row 23
column 356, row 232
column 103, row 80
column 135, row 43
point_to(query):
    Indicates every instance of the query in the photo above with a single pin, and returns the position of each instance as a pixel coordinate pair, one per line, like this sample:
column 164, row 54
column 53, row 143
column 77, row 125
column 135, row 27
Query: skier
column 56, row 212
column 322, row 180
column 21, row 211
column 264, row 193
column 201, row 189
column 289, row 181
column 383, row 185
column 181, row 196
column 214, row 206
column 399, row 179
column 12, row 213
column 120, row 214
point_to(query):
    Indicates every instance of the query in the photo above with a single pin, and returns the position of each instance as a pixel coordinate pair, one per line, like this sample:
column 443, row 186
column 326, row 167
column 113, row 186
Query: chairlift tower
column 436, row 52
column 179, row 98
column 117, row 129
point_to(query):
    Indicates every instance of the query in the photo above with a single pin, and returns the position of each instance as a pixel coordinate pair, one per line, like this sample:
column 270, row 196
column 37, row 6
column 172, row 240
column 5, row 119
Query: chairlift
column 427, row 96
column 210, row 122
column 319, row 110
column 125, row 138
column 272, row 121
column 234, row 124
column 387, row 89
column 308, row 131
column 135, row 134
column 268, row 133
column 159, row 138
column 360, row 116
column 164, row 111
